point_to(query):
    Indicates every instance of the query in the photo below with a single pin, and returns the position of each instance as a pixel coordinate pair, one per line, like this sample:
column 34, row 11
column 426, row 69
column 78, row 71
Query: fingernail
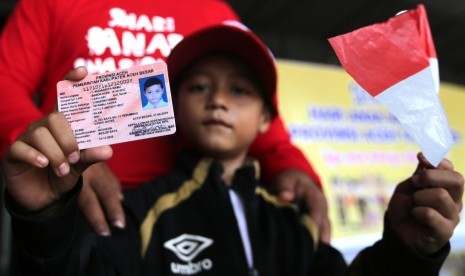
column 63, row 169
column 286, row 196
column 42, row 161
column 121, row 196
column 73, row 157
column 104, row 233
column 119, row 224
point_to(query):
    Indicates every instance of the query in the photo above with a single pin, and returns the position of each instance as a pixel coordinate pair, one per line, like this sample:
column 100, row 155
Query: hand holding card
column 120, row 106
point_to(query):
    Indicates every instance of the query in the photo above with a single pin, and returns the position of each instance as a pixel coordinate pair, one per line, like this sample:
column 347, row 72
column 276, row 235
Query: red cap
column 229, row 37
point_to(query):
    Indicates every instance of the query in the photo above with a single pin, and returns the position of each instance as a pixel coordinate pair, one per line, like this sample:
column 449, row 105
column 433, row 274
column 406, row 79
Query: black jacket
column 183, row 223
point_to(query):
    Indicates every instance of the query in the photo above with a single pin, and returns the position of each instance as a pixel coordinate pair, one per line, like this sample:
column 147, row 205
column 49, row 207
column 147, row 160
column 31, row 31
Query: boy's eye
column 245, row 90
column 240, row 90
column 197, row 87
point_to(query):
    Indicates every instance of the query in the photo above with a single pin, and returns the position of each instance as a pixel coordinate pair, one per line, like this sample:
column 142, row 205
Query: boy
column 210, row 216
column 154, row 91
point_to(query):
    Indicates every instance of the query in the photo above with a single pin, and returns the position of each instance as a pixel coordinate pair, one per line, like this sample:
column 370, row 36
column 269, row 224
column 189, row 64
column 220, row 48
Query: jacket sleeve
column 63, row 244
column 276, row 153
column 44, row 242
column 24, row 44
column 390, row 256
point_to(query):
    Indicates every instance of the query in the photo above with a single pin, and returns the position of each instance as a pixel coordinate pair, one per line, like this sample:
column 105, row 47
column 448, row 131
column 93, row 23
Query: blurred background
column 298, row 29
column 358, row 175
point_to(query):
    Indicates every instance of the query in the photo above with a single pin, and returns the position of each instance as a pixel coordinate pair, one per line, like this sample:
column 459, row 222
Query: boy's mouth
column 216, row 122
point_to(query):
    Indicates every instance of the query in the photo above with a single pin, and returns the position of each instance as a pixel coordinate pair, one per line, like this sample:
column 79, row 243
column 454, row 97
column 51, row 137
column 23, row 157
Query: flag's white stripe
column 415, row 103
column 433, row 63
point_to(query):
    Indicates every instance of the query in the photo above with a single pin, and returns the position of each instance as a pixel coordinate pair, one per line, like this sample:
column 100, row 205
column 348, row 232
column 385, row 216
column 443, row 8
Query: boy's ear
column 265, row 121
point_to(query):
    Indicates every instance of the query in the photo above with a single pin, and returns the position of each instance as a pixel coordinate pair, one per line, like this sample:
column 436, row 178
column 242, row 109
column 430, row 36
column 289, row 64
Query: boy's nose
column 218, row 98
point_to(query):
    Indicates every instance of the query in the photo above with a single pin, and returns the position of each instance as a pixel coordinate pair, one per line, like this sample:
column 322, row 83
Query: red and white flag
column 396, row 63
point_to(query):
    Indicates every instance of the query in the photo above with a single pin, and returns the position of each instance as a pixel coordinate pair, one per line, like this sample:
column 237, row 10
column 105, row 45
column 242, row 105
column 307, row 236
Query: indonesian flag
column 396, row 63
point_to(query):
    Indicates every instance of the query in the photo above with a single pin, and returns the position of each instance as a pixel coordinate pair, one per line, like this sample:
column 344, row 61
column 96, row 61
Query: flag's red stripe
column 381, row 55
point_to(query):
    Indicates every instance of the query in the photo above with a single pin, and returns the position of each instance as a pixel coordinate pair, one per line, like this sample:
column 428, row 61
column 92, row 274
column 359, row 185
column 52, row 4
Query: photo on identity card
column 153, row 93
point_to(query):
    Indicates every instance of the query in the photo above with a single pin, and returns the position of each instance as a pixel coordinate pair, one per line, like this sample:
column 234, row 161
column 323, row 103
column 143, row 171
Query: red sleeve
column 276, row 153
column 23, row 56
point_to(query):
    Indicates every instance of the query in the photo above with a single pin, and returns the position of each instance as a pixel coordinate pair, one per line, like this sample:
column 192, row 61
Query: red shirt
column 43, row 40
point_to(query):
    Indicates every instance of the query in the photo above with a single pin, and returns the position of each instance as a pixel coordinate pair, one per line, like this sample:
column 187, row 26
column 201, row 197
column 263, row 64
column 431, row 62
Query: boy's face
column 154, row 94
column 220, row 109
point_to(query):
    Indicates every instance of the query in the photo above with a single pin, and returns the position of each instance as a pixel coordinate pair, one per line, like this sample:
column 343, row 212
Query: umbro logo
column 187, row 247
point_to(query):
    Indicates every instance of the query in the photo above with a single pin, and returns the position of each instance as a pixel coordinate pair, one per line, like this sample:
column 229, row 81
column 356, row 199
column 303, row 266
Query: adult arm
column 290, row 173
column 24, row 44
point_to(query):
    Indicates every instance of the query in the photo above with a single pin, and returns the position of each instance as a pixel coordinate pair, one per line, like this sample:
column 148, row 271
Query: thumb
column 91, row 156
column 423, row 163
column 76, row 74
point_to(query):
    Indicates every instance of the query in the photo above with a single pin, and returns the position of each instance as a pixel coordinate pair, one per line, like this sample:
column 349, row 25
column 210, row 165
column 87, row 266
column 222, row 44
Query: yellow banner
column 358, row 148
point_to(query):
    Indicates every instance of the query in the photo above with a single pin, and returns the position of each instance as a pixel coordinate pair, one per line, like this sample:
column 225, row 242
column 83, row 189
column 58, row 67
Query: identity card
column 119, row 106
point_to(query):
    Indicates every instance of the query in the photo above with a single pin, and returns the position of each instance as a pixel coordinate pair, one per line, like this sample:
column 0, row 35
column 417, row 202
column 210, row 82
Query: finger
column 108, row 190
column 446, row 165
column 22, row 152
column 61, row 130
column 437, row 199
column 405, row 187
column 43, row 141
column 421, row 163
column 449, row 180
column 112, row 204
column 434, row 220
column 285, row 188
column 437, row 226
column 92, row 211
column 76, row 74
column 425, row 164
column 317, row 205
column 53, row 135
column 325, row 230
column 91, row 156
column 435, row 230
